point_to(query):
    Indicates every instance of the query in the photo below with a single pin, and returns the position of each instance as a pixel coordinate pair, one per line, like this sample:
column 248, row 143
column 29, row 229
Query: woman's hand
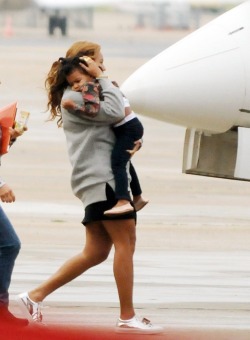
column 14, row 133
column 138, row 145
column 6, row 194
column 90, row 66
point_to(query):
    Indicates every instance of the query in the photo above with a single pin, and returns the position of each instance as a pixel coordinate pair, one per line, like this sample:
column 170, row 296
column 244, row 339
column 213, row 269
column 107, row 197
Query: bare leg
column 96, row 250
column 122, row 233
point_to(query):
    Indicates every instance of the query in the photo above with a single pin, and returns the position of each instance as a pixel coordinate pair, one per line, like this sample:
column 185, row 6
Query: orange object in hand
column 7, row 119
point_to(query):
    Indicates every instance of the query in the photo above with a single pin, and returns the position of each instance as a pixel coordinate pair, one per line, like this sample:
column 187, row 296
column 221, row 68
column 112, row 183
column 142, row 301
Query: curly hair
column 56, row 82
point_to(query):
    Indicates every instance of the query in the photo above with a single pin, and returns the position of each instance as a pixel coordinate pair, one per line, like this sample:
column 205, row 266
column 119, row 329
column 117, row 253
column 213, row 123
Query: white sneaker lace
column 146, row 322
column 35, row 309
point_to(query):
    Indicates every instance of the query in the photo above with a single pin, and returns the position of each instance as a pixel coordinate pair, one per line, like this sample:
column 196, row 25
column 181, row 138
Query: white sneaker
column 31, row 309
column 136, row 326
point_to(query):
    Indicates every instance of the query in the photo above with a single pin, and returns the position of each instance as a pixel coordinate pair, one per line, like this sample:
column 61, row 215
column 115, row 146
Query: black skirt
column 95, row 211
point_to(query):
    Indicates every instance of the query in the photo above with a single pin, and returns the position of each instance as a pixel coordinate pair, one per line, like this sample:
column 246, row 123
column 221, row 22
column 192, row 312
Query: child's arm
column 91, row 101
column 91, row 98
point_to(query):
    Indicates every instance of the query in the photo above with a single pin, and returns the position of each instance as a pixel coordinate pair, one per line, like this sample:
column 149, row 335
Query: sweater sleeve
column 111, row 107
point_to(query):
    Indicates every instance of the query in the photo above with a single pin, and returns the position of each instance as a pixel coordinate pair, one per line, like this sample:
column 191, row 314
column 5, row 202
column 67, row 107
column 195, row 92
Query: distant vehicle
column 160, row 14
column 58, row 10
column 163, row 14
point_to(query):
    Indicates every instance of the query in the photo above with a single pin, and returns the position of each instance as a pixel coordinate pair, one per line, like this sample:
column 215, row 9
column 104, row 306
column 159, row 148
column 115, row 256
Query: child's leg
column 138, row 200
column 135, row 183
column 126, row 135
column 119, row 160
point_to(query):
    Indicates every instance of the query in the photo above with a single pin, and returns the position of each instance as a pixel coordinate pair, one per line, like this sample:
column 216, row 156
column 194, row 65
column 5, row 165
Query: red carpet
column 66, row 333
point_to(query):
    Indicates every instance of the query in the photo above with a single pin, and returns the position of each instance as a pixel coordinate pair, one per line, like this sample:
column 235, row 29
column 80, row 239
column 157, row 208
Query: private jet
column 202, row 82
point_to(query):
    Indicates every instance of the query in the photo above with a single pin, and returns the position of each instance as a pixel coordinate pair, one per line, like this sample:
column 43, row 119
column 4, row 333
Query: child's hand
column 68, row 104
column 137, row 147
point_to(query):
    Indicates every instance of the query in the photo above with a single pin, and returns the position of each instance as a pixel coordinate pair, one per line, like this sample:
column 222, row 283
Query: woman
column 90, row 142
column 127, row 132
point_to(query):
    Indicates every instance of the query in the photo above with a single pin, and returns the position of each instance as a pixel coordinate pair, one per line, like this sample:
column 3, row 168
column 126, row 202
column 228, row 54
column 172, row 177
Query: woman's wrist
column 102, row 76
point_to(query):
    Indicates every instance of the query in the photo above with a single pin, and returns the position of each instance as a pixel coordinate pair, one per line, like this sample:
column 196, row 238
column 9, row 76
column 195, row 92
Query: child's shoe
column 140, row 203
column 120, row 210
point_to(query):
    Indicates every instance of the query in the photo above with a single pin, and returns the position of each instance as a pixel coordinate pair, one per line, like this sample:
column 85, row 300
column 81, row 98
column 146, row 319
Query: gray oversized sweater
column 90, row 142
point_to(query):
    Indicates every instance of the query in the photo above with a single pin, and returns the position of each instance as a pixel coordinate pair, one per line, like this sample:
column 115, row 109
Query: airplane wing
column 211, row 3
column 214, row 3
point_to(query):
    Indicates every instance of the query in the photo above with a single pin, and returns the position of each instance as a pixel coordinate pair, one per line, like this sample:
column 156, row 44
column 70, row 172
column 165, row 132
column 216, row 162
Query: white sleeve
column 1, row 183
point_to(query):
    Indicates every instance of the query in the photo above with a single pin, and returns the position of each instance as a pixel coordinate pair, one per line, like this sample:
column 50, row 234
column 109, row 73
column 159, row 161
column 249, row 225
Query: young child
column 80, row 81
column 127, row 132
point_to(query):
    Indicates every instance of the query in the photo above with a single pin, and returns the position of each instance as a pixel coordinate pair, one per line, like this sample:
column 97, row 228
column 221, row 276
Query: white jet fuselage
column 202, row 81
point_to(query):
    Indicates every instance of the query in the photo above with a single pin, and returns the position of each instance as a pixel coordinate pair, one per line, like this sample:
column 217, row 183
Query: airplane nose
column 201, row 81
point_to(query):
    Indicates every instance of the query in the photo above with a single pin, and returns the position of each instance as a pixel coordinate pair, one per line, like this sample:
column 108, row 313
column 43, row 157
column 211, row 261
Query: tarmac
column 192, row 261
